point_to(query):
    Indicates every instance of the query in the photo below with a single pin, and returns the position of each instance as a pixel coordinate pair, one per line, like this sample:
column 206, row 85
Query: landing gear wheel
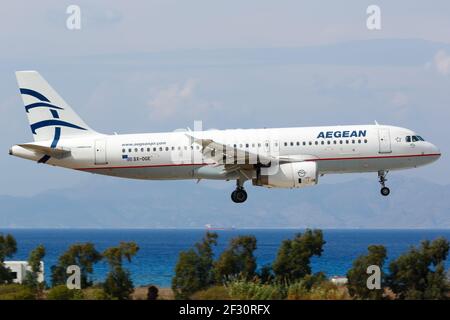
column 382, row 180
column 233, row 196
column 385, row 191
column 239, row 195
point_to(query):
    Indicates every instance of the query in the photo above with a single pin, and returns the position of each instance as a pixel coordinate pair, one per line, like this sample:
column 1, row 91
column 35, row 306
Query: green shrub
column 61, row 292
column 212, row 293
column 254, row 290
column 16, row 292
column 94, row 294
column 323, row 291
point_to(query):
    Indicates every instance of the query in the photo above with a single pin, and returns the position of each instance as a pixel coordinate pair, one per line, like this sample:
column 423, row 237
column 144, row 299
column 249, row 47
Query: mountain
column 104, row 202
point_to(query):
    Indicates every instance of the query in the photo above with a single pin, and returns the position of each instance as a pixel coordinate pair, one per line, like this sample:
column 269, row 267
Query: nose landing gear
column 239, row 195
column 382, row 176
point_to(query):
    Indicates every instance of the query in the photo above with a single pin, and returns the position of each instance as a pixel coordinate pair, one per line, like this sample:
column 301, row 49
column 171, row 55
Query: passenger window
column 142, row 149
column 334, row 142
column 322, row 142
column 160, row 149
column 328, row 142
column 154, row 149
column 123, row 150
column 129, row 150
column 246, row 145
column 148, row 149
column 310, row 143
column 316, row 143
column 365, row 140
column 285, row 144
column 304, row 143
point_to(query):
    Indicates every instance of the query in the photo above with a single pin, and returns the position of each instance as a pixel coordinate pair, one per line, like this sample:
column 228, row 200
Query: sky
column 151, row 66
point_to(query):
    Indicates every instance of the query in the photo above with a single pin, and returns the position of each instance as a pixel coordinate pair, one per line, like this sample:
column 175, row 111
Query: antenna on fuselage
column 376, row 123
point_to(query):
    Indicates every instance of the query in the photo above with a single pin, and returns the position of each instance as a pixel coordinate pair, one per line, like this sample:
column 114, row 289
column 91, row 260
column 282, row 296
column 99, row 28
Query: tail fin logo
column 44, row 102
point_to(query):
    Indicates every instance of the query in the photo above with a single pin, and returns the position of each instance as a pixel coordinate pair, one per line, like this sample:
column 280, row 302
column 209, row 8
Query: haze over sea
column 159, row 248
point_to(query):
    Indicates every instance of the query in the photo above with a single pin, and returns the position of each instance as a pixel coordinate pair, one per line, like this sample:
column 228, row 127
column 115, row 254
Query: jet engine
column 287, row 175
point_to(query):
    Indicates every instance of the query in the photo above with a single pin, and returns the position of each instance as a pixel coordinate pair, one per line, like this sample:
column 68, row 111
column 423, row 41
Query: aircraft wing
column 58, row 152
column 230, row 156
column 236, row 159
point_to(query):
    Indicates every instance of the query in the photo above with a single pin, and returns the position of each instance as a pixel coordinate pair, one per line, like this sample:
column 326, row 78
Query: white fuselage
column 174, row 155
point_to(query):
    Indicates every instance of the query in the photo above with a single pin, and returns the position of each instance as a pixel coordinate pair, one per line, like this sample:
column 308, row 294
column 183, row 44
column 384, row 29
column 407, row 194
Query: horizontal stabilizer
column 58, row 152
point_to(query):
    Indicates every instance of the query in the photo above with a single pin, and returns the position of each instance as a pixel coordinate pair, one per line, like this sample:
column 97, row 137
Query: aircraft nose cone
column 436, row 150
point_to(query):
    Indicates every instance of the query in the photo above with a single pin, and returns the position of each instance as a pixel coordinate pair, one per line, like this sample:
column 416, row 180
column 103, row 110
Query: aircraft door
column 384, row 140
column 100, row 152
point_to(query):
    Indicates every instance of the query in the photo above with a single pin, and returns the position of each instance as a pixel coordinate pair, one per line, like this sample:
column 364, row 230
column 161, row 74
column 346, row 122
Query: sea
column 159, row 248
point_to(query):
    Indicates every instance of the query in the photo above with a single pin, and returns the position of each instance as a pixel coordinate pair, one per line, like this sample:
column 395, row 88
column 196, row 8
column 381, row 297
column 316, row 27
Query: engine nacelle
column 288, row 175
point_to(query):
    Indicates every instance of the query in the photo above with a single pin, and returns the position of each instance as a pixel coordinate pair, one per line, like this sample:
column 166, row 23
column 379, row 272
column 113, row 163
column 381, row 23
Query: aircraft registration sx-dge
column 274, row 158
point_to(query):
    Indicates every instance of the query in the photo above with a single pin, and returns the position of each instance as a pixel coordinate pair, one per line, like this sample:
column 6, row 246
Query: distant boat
column 211, row 227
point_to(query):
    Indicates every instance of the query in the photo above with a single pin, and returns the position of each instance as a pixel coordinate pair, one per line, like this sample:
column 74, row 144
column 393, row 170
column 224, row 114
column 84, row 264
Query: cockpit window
column 417, row 138
column 413, row 138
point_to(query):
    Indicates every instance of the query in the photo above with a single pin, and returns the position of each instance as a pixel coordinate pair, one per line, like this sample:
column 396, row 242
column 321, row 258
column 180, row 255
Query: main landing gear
column 239, row 195
column 382, row 176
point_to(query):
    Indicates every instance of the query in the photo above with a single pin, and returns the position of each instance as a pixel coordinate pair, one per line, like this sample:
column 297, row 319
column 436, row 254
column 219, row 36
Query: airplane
column 272, row 158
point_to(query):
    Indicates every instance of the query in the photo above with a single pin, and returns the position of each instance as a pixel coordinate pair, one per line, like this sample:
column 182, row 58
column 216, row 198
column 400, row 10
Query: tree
column 237, row 260
column 34, row 262
column 83, row 255
column 152, row 293
column 265, row 275
column 8, row 247
column 357, row 275
column 194, row 269
column 118, row 283
column 420, row 273
column 294, row 256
